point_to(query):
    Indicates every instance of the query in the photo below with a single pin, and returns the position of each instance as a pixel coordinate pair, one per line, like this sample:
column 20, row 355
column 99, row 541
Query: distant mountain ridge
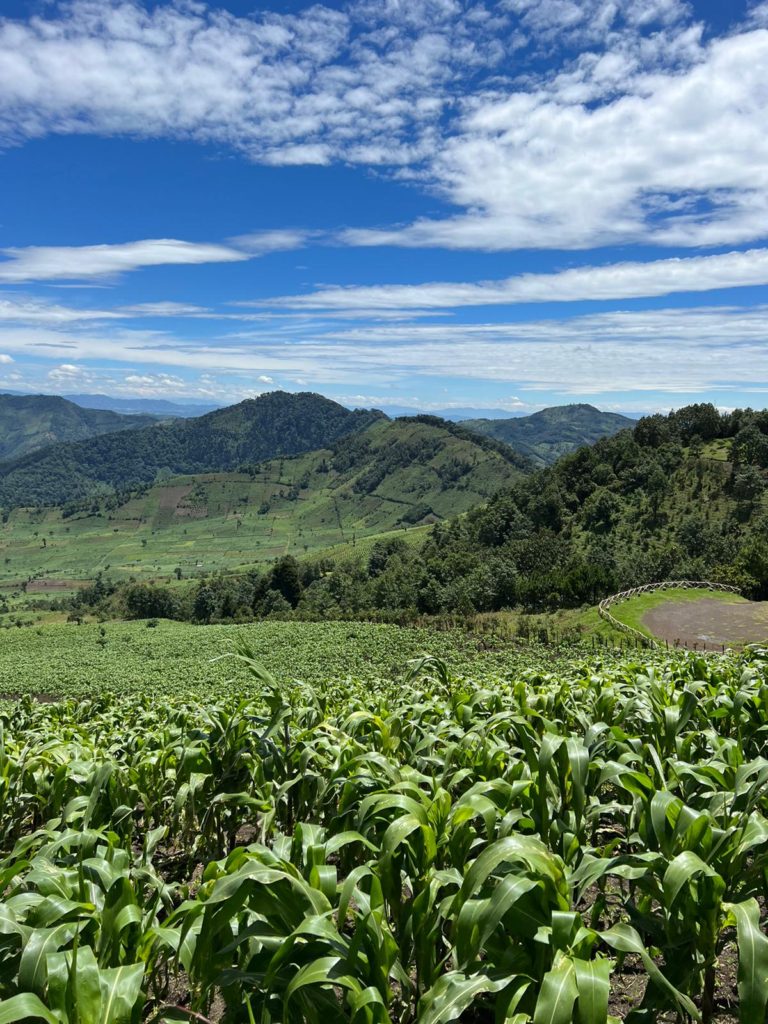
column 140, row 406
column 276, row 423
column 31, row 422
column 545, row 436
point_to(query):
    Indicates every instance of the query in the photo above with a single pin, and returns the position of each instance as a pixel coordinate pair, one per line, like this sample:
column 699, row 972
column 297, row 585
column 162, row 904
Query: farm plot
column 553, row 848
column 708, row 623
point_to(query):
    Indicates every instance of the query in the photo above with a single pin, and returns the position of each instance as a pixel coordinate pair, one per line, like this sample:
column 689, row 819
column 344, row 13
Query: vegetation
column 391, row 477
column 29, row 422
column 276, row 423
column 156, row 657
column 643, row 506
column 545, row 436
column 539, row 848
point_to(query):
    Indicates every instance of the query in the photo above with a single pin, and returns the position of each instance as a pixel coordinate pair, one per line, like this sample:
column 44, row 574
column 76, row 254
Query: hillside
column 680, row 496
column 545, row 436
column 273, row 424
column 30, row 422
column 396, row 474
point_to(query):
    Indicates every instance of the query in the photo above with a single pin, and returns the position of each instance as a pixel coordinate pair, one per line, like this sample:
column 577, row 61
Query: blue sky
column 421, row 203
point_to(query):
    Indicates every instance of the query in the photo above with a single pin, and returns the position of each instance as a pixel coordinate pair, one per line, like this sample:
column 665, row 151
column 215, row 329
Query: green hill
column 680, row 496
column 273, row 424
column 545, row 436
column 31, row 422
column 395, row 475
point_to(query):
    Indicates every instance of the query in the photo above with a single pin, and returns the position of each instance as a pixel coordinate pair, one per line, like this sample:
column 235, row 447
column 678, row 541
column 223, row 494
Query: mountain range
column 54, row 452
column 30, row 422
column 274, row 424
column 545, row 436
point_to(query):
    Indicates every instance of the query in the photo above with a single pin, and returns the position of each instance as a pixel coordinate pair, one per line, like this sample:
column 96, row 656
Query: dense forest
column 545, row 436
column 274, row 424
column 30, row 422
column 681, row 495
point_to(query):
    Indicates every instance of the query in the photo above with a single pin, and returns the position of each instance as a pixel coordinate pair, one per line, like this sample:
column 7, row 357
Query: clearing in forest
column 700, row 618
column 709, row 623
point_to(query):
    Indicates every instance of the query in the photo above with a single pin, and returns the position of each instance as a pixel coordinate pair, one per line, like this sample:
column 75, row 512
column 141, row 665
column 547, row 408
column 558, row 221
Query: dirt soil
column 709, row 624
column 44, row 586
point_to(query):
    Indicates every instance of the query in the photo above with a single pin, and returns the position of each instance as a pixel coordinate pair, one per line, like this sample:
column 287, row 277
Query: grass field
column 634, row 611
column 153, row 536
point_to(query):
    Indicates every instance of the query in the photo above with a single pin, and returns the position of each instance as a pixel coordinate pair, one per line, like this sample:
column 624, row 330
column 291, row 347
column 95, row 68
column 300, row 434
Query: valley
column 394, row 477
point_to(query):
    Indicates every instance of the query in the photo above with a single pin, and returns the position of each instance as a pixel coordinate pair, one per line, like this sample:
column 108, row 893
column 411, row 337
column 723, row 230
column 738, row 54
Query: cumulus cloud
column 613, row 281
column 44, row 263
column 642, row 128
column 283, row 88
column 677, row 157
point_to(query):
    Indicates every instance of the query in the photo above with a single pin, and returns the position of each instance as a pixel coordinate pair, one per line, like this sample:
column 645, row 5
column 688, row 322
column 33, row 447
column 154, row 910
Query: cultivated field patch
column 709, row 623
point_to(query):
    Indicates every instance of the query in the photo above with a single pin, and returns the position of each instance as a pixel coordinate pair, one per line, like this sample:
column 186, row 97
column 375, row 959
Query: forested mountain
column 680, row 496
column 545, row 436
column 273, row 424
column 393, row 475
column 30, row 422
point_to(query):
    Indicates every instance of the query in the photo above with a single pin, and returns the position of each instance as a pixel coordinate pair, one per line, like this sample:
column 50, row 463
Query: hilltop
column 274, row 424
column 31, row 422
column 545, row 436
column 392, row 476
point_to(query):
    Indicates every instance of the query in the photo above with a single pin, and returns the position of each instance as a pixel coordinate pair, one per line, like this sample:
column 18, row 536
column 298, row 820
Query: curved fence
column 607, row 603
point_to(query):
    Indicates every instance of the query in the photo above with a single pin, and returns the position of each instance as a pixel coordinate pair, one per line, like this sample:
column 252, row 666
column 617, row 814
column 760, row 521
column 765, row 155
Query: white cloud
column 162, row 309
column 283, row 88
column 640, row 131
column 613, row 281
column 5, row 360
column 699, row 349
column 31, row 310
column 265, row 380
column 259, row 243
column 610, row 150
column 66, row 373
column 42, row 263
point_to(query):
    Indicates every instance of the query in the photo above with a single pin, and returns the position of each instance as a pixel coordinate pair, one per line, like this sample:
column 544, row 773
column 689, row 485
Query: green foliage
column 30, row 422
column 545, row 436
column 639, row 507
column 276, row 423
column 295, row 505
column 421, row 849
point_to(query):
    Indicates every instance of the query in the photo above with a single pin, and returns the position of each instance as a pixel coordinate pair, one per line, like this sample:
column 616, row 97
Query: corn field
column 581, row 846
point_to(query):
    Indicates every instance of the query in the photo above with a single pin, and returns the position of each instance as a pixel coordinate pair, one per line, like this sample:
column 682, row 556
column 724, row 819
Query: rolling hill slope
column 545, row 436
column 683, row 496
column 31, row 422
column 273, row 424
column 392, row 476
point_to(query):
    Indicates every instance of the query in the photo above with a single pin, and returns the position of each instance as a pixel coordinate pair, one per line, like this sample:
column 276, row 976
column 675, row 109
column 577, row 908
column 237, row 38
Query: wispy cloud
column 613, row 281
column 700, row 350
column 51, row 263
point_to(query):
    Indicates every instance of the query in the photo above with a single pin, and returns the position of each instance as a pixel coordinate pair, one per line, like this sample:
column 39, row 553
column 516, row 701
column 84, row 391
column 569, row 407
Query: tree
column 286, row 580
column 205, row 605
